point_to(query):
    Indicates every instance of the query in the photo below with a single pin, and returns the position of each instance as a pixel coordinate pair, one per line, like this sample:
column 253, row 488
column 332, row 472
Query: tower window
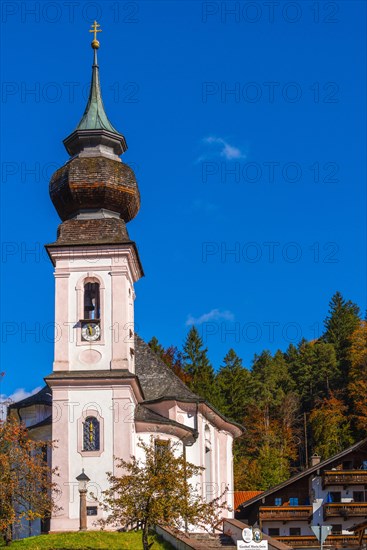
column 91, row 434
column 92, row 307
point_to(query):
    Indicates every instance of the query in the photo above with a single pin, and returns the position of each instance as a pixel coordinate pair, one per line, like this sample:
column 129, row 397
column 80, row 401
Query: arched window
column 92, row 307
column 91, row 434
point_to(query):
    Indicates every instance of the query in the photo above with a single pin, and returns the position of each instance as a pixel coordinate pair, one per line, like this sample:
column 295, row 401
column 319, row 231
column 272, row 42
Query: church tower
column 108, row 390
column 96, row 267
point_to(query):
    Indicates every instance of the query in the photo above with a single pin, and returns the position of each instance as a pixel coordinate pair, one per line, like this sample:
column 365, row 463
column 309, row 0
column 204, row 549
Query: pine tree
column 315, row 371
column 343, row 319
column 156, row 346
column 233, row 383
column 197, row 365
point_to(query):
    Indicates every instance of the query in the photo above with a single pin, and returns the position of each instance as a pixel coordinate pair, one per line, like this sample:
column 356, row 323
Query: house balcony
column 344, row 477
column 333, row 541
column 345, row 509
column 285, row 513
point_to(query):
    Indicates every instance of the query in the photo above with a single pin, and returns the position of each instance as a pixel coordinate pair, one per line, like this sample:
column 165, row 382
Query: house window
column 335, row 496
column 91, row 510
column 273, row 532
column 278, row 501
column 293, row 501
column 347, row 465
column 92, row 307
column 91, row 434
column 295, row 531
column 358, row 496
column 336, row 529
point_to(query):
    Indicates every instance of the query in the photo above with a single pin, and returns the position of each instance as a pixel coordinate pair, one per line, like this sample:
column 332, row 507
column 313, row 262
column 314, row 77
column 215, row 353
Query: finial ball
column 95, row 44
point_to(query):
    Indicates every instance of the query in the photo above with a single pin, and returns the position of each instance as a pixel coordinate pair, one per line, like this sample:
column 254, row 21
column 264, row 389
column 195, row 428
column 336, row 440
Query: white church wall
column 95, row 466
column 113, row 269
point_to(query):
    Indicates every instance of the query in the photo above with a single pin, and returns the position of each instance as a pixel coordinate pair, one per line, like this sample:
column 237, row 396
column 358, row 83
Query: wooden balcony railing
column 337, row 541
column 285, row 513
column 344, row 477
column 345, row 509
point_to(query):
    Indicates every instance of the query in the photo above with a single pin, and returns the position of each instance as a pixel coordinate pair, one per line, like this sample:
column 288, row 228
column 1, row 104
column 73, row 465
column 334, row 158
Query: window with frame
column 91, row 434
column 92, row 302
column 293, row 501
column 278, row 501
column 336, row 529
column 358, row 496
column 273, row 531
column 295, row 531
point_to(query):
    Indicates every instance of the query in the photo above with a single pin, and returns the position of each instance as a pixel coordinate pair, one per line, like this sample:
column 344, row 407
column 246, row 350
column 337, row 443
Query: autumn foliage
column 25, row 479
column 309, row 398
column 159, row 490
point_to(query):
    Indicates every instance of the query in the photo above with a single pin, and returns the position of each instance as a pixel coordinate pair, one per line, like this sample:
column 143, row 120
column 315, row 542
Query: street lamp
column 83, row 481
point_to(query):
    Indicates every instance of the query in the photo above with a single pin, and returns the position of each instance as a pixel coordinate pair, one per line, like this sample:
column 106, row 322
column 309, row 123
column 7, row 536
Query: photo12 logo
column 252, row 540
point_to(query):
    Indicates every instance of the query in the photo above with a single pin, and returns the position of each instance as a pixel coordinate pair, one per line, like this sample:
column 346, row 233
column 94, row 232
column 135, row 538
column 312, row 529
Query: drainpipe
column 185, row 475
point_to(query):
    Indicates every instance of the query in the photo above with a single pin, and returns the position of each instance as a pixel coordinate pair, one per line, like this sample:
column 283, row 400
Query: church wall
column 111, row 268
column 113, row 407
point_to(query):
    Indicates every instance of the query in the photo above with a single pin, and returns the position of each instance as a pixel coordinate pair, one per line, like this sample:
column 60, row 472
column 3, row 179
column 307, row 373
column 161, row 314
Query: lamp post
column 83, row 480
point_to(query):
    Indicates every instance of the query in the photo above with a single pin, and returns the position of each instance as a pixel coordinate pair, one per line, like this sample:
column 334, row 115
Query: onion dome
column 95, row 183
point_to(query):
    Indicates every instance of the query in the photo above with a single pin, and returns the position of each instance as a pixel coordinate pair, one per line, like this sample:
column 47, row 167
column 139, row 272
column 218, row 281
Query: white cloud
column 224, row 149
column 17, row 395
column 213, row 315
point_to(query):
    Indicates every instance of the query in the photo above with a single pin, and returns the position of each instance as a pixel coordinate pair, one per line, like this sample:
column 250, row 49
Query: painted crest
column 257, row 535
column 247, row 534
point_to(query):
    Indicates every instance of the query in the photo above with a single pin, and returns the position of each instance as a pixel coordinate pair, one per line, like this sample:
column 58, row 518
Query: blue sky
column 247, row 131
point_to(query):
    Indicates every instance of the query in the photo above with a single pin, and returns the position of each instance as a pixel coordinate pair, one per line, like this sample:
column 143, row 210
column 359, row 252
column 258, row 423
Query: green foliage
column 233, row 384
column 315, row 371
column 317, row 388
column 157, row 490
column 341, row 322
column 197, row 366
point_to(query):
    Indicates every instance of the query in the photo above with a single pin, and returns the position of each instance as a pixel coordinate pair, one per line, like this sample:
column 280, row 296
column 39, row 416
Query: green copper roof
column 94, row 117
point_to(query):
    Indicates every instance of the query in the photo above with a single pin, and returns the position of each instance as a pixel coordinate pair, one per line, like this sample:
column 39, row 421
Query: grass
column 92, row 540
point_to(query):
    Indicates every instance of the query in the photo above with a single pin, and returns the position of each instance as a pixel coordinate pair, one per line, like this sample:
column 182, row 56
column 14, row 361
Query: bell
column 88, row 304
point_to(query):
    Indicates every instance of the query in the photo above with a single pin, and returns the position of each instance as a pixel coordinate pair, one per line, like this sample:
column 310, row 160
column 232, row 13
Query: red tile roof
column 242, row 496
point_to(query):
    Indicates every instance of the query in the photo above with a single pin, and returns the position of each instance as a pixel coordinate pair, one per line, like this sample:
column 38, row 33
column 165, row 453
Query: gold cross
column 95, row 29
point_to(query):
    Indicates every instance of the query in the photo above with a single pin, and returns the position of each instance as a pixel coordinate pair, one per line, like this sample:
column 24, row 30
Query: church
column 108, row 389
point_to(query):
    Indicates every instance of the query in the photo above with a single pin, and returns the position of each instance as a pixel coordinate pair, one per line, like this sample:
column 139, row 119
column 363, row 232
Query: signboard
column 252, row 540
column 241, row 545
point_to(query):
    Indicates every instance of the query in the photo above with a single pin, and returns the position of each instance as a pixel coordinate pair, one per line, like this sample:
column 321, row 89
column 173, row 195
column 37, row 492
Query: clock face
column 91, row 332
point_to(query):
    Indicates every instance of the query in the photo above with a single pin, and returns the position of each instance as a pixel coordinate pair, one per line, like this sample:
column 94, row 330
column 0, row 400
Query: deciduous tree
column 157, row 491
column 330, row 427
column 26, row 490
column 357, row 387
